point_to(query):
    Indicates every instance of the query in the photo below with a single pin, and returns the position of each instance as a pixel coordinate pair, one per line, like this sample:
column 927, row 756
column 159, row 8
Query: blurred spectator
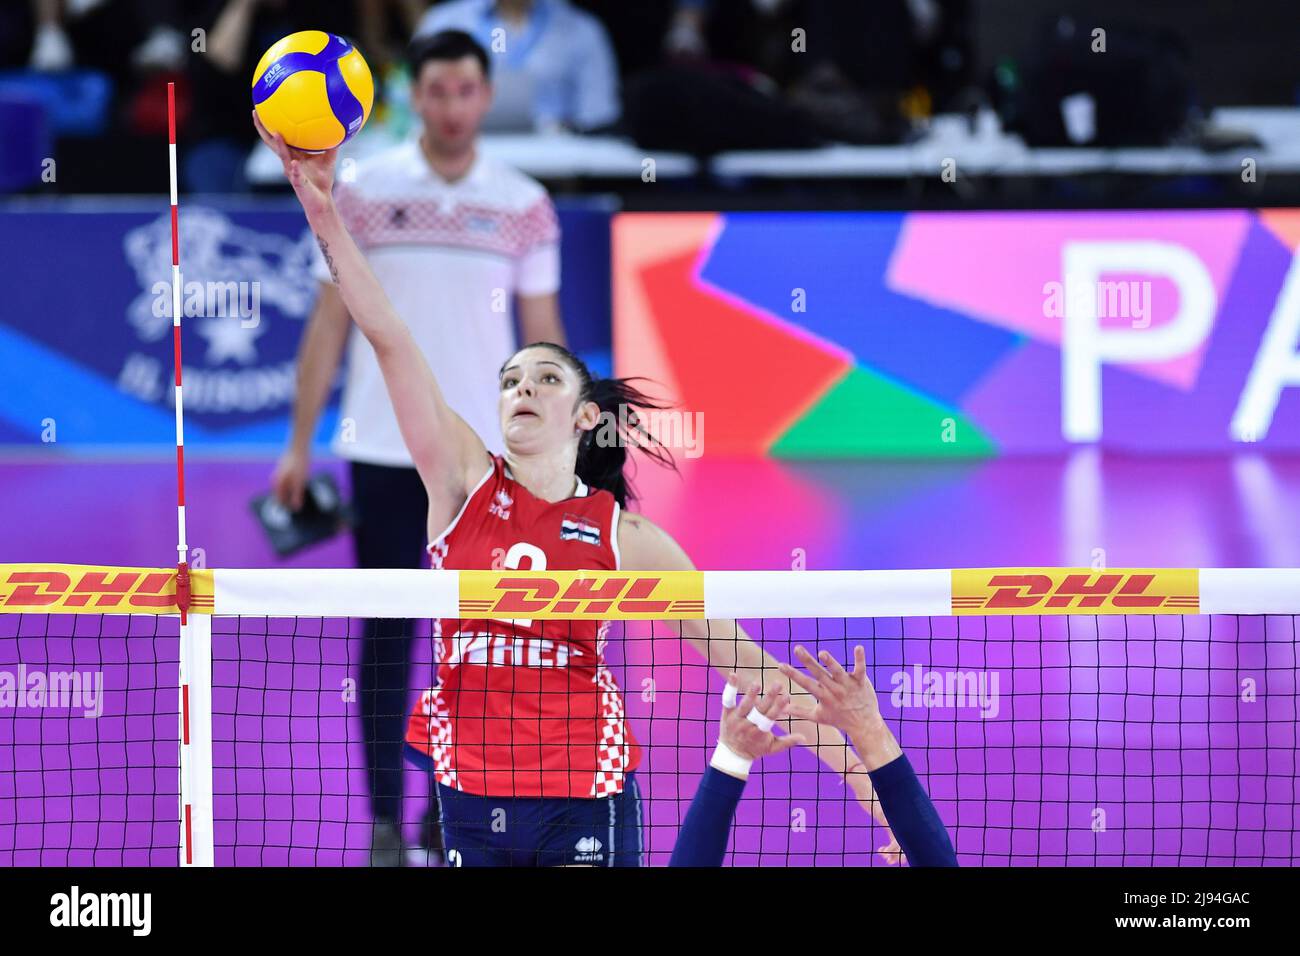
column 166, row 46
column 163, row 47
column 685, row 35
column 873, row 46
column 102, row 68
column 238, row 33
column 636, row 30
column 52, row 50
column 553, row 65
column 947, row 54
column 785, row 74
column 385, row 29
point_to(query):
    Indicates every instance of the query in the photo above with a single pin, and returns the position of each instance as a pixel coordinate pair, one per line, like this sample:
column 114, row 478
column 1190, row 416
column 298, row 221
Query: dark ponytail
column 603, row 451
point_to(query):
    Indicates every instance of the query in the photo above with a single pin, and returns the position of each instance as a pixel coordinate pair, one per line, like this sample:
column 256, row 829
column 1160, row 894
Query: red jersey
column 525, row 708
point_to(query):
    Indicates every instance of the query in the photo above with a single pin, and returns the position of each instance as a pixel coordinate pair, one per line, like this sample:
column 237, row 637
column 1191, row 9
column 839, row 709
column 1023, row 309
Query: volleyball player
column 527, row 719
column 454, row 237
column 842, row 699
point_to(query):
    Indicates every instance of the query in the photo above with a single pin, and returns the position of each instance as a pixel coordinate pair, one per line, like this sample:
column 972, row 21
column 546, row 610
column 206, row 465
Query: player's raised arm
column 847, row 700
column 742, row 739
column 446, row 452
column 725, row 645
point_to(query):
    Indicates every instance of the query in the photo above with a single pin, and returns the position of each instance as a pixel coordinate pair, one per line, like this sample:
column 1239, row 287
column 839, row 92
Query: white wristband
column 730, row 762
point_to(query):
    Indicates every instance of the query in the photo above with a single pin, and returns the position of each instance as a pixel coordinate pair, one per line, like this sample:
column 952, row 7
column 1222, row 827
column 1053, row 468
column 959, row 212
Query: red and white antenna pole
column 182, row 547
column 196, row 843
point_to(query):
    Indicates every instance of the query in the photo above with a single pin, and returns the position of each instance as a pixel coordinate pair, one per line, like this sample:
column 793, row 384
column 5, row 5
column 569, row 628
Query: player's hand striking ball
column 310, row 174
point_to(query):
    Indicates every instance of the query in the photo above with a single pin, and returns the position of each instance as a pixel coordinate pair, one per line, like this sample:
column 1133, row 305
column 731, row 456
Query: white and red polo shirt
column 451, row 256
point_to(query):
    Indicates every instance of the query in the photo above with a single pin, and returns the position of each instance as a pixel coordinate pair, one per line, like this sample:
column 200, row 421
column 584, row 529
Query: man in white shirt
column 554, row 63
column 456, row 239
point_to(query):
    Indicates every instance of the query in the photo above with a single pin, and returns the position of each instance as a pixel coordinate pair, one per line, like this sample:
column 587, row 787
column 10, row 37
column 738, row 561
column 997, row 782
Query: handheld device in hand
column 323, row 514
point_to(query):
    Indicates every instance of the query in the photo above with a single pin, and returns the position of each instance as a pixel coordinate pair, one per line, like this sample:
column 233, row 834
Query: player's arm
column 702, row 840
column 446, row 452
column 229, row 34
column 319, row 355
column 848, row 701
column 724, row 644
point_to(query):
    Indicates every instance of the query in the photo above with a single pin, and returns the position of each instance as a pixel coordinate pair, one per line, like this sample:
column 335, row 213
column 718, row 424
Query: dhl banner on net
column 597, row 595
column 1075, row 591
column 582, row 595
column 95, row 589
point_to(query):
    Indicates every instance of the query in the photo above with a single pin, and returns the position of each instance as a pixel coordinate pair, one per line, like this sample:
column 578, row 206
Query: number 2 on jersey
column 536, row 562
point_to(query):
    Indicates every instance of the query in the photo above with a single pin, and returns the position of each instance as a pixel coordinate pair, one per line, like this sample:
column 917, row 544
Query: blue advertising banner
column 85, row 320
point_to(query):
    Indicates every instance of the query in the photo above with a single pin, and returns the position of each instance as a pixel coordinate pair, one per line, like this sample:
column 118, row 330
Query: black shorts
column 542, row 831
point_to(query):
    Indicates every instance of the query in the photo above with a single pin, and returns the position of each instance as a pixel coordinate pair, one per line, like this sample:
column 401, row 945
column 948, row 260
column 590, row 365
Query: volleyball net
column 1055, row 716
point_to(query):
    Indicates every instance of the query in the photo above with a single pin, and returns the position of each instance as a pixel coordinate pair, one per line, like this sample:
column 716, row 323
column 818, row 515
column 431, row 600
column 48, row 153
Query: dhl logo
column 1076, row 591
column 88, row 589
column 581, row 595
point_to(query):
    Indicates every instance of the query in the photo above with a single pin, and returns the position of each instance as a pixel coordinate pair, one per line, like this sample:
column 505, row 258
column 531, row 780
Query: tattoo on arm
column 329, row 260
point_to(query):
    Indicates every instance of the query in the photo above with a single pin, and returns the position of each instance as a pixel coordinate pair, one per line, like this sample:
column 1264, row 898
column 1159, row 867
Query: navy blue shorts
column 542, row 831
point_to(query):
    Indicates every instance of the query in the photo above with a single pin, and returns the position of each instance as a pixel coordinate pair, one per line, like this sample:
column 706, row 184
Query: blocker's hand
column 845, row 700
column 842, row 699
column 310, row 174
column 742, row 736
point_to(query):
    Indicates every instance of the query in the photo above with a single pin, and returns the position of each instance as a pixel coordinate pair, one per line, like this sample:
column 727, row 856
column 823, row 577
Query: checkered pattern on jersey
column 425, row 221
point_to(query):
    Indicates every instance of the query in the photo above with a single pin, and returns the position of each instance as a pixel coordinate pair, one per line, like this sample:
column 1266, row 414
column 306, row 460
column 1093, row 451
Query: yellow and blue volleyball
column 314, row 89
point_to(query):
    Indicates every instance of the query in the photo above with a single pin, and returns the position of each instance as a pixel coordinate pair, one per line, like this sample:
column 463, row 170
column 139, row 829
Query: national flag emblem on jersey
column 576, row 528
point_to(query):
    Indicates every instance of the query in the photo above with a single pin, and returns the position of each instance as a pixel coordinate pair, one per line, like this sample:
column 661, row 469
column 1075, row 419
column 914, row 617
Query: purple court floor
column 1238, row 511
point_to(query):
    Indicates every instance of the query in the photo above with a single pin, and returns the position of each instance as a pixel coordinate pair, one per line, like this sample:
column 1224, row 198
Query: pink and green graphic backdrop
column 938, row 334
